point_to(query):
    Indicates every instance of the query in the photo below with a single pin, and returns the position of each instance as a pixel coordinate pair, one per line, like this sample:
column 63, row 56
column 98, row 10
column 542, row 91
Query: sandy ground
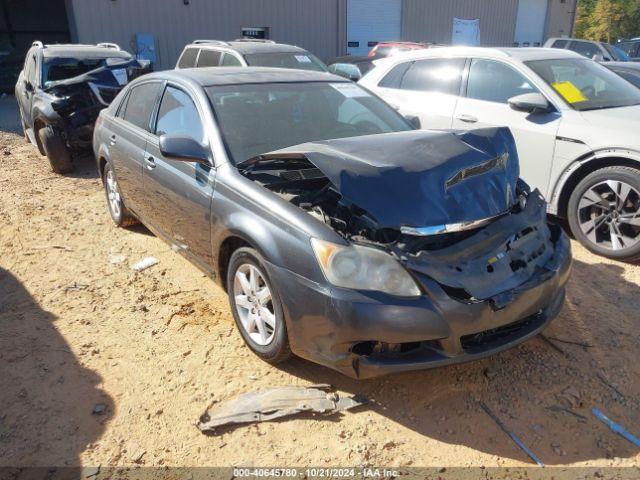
column 157, row 347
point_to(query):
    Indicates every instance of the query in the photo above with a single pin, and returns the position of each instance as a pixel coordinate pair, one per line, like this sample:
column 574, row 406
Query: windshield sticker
column 569, row 92
column 121, row 75
column 302, row 59
column 349, row 90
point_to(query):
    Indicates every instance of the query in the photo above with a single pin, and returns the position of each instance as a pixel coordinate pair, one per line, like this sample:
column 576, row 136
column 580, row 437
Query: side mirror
column 346, row 70
column 414, row 121
column 184, row 149
column 598, row 58
column 530, row 102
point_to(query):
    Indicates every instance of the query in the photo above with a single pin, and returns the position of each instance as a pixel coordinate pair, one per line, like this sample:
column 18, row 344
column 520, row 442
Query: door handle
column 467, row 118
column 112, row 140
column 150, row 162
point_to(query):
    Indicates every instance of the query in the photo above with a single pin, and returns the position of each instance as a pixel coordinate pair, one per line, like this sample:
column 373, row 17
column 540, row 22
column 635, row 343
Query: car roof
column 248, row 47
column 217, row 76
column 71, row 50
column 521, row 54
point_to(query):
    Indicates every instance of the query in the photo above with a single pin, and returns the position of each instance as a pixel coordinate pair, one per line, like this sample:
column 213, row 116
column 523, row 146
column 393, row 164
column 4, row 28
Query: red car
column 388, row 49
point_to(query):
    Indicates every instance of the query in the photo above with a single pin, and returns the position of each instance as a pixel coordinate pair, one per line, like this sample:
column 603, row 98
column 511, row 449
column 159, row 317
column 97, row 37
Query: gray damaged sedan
column 341, row 234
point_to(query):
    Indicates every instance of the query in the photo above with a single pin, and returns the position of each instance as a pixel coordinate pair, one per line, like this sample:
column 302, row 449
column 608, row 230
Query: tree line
column 607, row 20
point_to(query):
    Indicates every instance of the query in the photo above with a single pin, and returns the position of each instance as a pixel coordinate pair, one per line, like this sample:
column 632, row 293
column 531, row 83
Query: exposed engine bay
column 77, row 101
column 453, row 209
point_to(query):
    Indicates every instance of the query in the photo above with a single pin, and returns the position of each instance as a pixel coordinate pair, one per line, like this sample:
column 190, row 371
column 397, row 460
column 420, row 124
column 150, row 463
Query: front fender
column 596, row 155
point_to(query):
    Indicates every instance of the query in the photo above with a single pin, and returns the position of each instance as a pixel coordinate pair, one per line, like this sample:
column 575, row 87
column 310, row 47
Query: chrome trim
column 447, row 228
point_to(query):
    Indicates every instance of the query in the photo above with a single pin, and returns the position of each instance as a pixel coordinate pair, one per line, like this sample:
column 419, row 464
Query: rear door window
column 494, row 81
column 560, row 44
column 441, row 75
column 209, row 58
column 585, row 49
column 230, row 60
column 178, row 115
column 188, row 58
column 142, row 100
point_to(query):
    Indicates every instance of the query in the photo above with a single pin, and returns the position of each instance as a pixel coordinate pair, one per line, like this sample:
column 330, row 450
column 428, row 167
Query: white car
column 576, row 125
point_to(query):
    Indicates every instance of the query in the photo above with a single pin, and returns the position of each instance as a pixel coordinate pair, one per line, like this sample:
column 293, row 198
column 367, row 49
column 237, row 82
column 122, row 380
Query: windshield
column 60, row 68
column 585, row 84
column 617, row 53
column 260, row 118
column 297, row 60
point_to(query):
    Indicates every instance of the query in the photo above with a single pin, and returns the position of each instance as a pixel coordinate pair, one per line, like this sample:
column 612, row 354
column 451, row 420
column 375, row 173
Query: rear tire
column 56, row 151
column 604, row 213
column 115, row 204
column 256, row 307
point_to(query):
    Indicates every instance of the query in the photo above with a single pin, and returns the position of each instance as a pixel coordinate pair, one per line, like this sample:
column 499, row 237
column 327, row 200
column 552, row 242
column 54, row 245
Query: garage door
column 372, row 21
column 530, row 23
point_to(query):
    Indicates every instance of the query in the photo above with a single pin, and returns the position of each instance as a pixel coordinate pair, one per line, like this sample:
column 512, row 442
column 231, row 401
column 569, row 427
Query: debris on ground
column 76, row 287
column 513, row 437
column 619, row 429
column 117, row 259
column 266, row 405
column 99, row 409
column 145, row 263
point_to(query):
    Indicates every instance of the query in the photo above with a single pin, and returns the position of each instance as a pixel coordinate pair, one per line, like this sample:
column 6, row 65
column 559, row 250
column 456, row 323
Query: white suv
column 576, row 125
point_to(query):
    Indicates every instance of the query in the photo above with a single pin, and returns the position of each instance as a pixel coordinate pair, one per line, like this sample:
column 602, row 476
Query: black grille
column 306, row 174
column 488, row 339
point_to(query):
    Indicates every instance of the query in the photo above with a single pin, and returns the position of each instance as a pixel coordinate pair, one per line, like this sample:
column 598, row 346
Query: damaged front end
column 76, row 102
column 450, row 208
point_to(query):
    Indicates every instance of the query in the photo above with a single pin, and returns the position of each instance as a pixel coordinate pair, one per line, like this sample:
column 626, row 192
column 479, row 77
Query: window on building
column 140, row 104
column 178, row 115
column 442, row 75
column 209, row 58
column 188, row 58
column 494, row 81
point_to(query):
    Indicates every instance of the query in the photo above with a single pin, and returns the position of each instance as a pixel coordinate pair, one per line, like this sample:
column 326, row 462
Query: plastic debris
column 116, row 259
column 274, row 403
column 619, row 429
column 513, row 437
column 145, row 263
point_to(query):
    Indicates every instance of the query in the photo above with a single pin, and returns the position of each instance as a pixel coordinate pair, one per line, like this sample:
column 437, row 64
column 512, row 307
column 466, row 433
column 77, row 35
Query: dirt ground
column 78, row 329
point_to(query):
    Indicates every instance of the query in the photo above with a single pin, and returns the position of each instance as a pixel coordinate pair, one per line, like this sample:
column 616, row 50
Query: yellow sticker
column 569, row 92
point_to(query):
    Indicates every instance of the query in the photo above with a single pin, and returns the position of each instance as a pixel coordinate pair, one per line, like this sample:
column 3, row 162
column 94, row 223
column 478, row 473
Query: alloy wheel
column 609, row 215
column 113, row 194
column 254, row 305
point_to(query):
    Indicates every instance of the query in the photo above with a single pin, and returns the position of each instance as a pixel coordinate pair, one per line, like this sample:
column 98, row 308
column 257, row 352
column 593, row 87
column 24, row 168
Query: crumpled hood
column 421, row 178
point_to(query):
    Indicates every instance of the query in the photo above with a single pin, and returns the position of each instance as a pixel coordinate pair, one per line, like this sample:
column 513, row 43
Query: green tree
column 606, row 21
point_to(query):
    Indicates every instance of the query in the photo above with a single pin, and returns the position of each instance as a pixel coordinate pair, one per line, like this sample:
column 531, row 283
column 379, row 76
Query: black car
column 341, row 234
column 61, row 90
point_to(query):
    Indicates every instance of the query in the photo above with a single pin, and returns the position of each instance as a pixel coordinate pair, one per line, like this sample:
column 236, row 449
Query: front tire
column 256, row 307
column 604, row 212
column 119, row 213
column 56, row 151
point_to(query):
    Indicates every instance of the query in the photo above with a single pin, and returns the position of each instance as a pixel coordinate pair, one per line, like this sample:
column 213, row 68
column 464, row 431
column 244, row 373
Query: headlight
column 363, row 268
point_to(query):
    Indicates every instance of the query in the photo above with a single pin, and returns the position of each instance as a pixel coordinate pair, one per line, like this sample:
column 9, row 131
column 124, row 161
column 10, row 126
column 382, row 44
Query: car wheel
column 604, row 212
column 56, row 151
column 256, row 307
column 119, row 213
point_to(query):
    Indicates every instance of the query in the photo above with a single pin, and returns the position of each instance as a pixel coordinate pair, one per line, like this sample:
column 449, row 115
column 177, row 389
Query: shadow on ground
column 47, row 396
column 543, row 390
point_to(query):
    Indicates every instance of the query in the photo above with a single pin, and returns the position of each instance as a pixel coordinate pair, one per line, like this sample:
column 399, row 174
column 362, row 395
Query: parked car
column 339, row 232
column 352, row 67
column 61, row 90
column 388, row 49
column 575, row 123
column 598, row 51
column 631, row 47
column 630, row 71
column 247, row 52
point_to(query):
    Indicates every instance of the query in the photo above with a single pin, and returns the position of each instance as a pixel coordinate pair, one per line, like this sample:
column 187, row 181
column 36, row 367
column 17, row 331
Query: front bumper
column 367, row 334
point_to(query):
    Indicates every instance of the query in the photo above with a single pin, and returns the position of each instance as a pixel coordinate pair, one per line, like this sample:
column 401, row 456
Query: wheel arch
column 229, row 245
column 584, row 166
